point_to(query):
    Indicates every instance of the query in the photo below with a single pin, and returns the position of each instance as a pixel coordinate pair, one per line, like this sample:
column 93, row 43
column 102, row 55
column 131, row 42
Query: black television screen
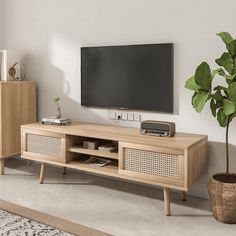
column 138, row 77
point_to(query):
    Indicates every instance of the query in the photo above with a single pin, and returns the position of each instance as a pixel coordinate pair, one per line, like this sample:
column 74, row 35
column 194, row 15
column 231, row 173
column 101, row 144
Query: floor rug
column 16, row 220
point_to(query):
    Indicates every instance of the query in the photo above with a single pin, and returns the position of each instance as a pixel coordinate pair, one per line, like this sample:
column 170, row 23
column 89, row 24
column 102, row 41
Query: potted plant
column 222, row 99
column 58, row 111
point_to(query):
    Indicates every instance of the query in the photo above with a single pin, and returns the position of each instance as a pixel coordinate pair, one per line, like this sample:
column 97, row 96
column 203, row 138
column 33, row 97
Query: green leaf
column 232, row 92
column 234, row 66
column 222, row 72
column 226, row 61
column 226, row 37
column 232, row 47
column 199, row 100
column 222, row 118
column 216, row 71
column 218, row 96
column 191, row 84
column 213, row 107
column 194, row 95
column 228, row 107
column 203, row 76
column 56, row 99
column 230, row 77
column 219, row 87
column 219, row 104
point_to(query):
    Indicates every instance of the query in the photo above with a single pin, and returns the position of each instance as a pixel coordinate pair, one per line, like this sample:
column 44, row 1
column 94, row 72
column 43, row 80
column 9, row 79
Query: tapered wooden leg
column 167, row 201
column 28, row 163
column 64, row 171
column 2, row 164
column 42, row 173
column 183, row 196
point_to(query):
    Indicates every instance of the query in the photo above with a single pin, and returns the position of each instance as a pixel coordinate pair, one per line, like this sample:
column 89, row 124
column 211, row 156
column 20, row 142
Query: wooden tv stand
column 170, row 162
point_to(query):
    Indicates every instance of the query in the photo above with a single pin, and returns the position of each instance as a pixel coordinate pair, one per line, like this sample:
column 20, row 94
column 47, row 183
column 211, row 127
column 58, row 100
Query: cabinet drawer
column 43, row 146
column 151, row 163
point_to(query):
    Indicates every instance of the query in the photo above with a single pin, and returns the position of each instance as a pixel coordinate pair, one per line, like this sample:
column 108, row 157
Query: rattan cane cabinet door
column 43, row 146
column 155, row 164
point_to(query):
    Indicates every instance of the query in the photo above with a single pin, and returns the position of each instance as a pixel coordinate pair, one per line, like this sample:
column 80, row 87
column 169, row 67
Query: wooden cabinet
column 17, row 107
column 170, row 162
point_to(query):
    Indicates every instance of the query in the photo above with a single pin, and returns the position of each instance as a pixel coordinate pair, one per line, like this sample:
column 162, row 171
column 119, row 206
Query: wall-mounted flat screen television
column 136, row 77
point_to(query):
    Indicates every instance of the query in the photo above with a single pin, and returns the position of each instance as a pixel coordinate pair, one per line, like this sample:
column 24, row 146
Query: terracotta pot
column 223, row 198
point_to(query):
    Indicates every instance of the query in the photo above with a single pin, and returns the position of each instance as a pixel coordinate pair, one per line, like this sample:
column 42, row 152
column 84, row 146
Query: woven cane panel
column 152, row 163
column 45, row 145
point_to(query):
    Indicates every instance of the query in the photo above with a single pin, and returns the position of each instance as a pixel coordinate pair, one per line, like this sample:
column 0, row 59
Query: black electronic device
column 137, row 77
column 157, row 128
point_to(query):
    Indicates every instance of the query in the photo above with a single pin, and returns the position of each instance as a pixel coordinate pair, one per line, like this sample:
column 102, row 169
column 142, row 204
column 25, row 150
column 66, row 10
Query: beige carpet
column 48, row 220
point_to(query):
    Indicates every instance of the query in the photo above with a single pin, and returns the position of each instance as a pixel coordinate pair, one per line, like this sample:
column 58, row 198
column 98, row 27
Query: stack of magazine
column 97, row 161
column 110, row 147
column 56, row 121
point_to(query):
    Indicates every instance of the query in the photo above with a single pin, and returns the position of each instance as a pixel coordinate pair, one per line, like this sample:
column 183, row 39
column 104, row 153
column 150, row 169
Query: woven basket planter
column 223, row 199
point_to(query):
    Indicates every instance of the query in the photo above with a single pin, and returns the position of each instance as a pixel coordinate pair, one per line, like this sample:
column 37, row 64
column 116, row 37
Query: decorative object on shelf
column 222, row 186
column 12, row 71
column 58, row 111
column 157, row 128
column 97, row 161
column 56, row 121
column 90, row 144
column 8, row 59
column 110, row 147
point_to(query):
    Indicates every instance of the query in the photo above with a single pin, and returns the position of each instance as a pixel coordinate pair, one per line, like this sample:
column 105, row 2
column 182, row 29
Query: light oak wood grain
column 123, row 134
column 17, row 107
column 99, row 153
column 186, row 153
column 42, row 173
column 167, row 201
column 61, row 157
column 101, row 171
column 196, row 160
column 2, row 163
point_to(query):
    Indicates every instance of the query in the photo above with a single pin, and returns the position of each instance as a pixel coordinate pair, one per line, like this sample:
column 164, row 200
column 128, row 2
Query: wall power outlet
column 130, row 116
column 124, row 116
column 137, row 117
column 111, row 115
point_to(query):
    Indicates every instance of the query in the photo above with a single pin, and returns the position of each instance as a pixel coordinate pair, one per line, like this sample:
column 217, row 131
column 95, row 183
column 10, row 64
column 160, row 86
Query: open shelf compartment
column 99, row 153
column 109, row 169
column 75, row 146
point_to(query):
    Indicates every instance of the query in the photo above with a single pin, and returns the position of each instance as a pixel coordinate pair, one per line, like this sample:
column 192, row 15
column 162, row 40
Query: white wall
column 49, row 34
column 1, row 23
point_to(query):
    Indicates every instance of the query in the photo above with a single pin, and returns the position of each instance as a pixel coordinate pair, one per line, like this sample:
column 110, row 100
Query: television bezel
column 171, row 111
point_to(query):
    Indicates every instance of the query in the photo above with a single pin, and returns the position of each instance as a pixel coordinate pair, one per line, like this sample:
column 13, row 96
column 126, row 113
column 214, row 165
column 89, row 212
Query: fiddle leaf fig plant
column 222, row 99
